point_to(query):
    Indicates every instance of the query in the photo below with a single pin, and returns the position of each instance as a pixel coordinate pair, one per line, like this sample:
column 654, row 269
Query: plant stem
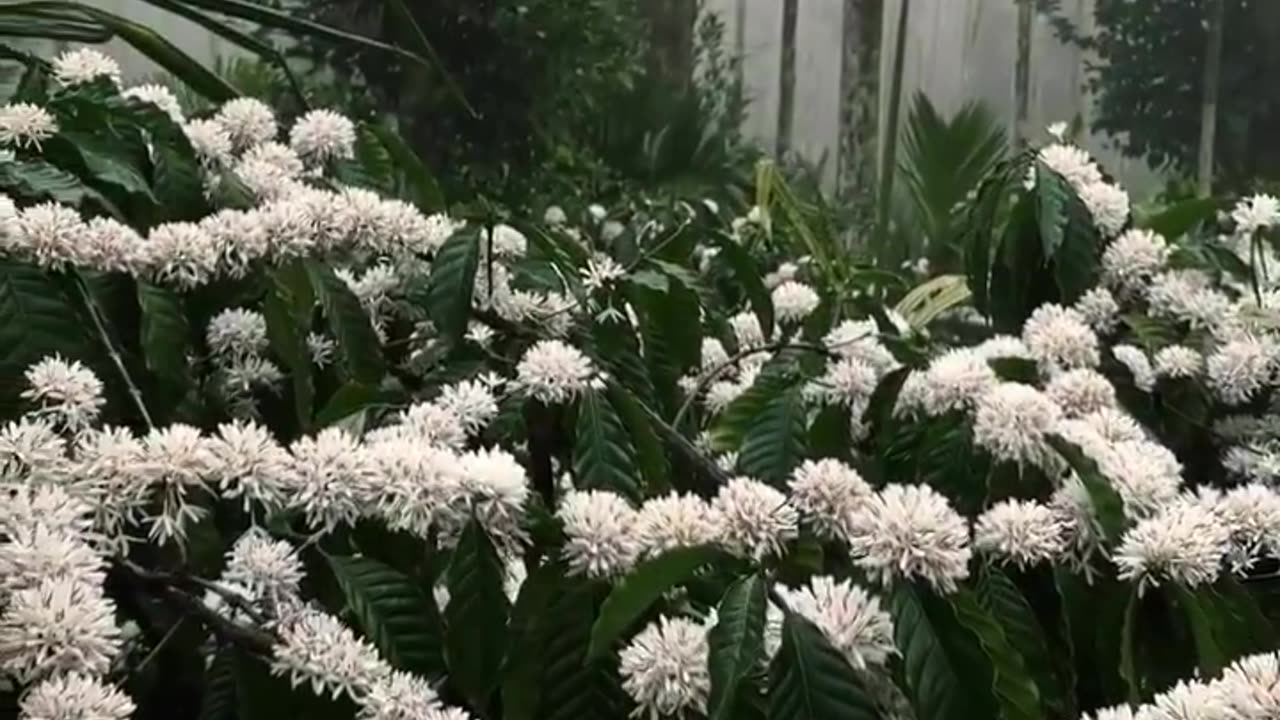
column 173, row 630
column 889, row 157
column 1209, row 98
column 95, row 313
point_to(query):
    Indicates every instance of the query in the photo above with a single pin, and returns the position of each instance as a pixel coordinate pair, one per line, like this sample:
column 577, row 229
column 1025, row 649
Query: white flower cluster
column 1107, row 203
column 1249, row 689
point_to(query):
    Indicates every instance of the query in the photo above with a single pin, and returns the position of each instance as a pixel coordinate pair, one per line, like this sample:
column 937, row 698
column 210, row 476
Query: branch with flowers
column 385, row 462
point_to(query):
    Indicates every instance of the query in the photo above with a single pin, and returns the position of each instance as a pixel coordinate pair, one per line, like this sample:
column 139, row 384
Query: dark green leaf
column 1108, row 507
column 528, row 636
column 640, row 589
column 775, row 443
column 1180, row 218
column 811, row 680
column 948, row 677
column 36, row 320
column 1202, row 618
column 165, row 333
column 651, row 457
column 287, row 309
column 603, row 457
column 452, row 283
column 1015, row 690
column 218, row 700
column 358, row 344
column 352, row 398
column 1052, row 195
column 1002, row 599
column 424, row 191
column 830, row 435
column 38, row 180
column 731, row 427
column 476, row 634
column 575, row 687
column 394, row 614
column 747, row 273
column 735, row 643
column 1012, row 369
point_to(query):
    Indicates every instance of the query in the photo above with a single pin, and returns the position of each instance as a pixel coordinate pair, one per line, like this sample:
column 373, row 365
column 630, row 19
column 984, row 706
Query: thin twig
column 189, row 581
column 96, row 314
column 705, row 379
column 173, row 630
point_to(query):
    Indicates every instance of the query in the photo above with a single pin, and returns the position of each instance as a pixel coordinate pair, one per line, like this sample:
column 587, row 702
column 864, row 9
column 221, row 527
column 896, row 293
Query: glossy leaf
column 358, row 344
column 811, row 680
column 476, row 618
column 603, row 456
column 452, row 282
column 165, row 333
column 947, row 676
column 775, row 443
column 1015, row 691
column 736, row 643
column 400, row 620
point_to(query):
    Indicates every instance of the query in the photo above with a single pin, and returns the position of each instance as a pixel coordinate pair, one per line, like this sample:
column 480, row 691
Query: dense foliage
column 1148, row 80
column 282, row 437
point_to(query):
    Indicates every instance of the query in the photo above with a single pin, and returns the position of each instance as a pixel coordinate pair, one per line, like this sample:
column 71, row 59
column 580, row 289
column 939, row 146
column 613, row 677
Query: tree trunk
column 889, row 153
column 1022, row 76
column 860, row 97
column 1209, row 97
column 671, row 31
column 787, row 91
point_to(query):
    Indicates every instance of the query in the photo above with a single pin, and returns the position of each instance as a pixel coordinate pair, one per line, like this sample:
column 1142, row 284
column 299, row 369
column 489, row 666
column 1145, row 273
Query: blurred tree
column 1148, row 80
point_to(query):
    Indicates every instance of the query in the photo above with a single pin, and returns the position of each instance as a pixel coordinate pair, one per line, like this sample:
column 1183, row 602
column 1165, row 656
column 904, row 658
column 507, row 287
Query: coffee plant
column 284, row 436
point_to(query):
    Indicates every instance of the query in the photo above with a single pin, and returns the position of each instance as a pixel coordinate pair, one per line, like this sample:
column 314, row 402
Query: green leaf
column 103, row 160
column 452, row 283
column 729, row 430
column 1108, row 507
column 372, row 166
column 357, row 342
column 640, row 589
column 1015, row 691
column 747, row 273
column 575, row 686
column 353, row 398
column 288, row 309
column 38, row 180
column 218, row 700
column 1181, row 218
column 394, row 614
column 735, row 643
column 1002, row 599
column 165, row 333
column 651, row 456
column 1201, row 617
column 811, row 680
column 603, row 457
column 1128, row 650
column 1052, row 195
column 947, row 675
column 529, row 633
column 424, row 190
column 36, row 320
column 476, row 632
column 1075, row 264
column 830, row 434
column 775, row 443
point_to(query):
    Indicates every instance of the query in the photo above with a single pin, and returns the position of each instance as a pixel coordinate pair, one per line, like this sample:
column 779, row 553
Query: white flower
column 1108, row 204
column 181, row 253
column 249, row 463
column 333, row 476
column 600, row 528
column 237, row 332
column 1144, row 377
column 1251, row 687
column 1072, row 163
column 675, row 521
column 910, row 532
column 50, row 506
column 75, row 697
column 849, row 616
column 84, row 65
column 1185, row 543
column 269, row 570
column 1132, row 259
column 747, row 331
column 1117, row 712
column 1178, row 361
column 323, row 135
column 1058, row 130
column 554, row 215
column 160, row 96
column 177, row 461
column 828, row 493
column 664, row 668
column 108, row 245
column 758, row 520
column 247, row 122
column 601, row 271
column 1239, row 369
column 497, row 490
column 1100, row 309
column 472, row 401
column 1080, row 392
column 954, row 381
column 507, row 242
column 318, row 650
column 1146, row 475
column 480, row 334
column 429, row 424
column 1255, row 213
column 59, row 626
column 611, row 230
column 860, row 339
column 210, row 140
column 1021, row 532
column 1185, row 701
column 1059, row 337
column 713, row 355
column 554, row 372
column 30, row 450
column 597, row 212
column 26, row 125
column 400, row 696
column 67, row 391
column 848, row 382
column 1012, row 422
column 37, row 551
column 1188, row 295
column 793, row 301
column 49, row 234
